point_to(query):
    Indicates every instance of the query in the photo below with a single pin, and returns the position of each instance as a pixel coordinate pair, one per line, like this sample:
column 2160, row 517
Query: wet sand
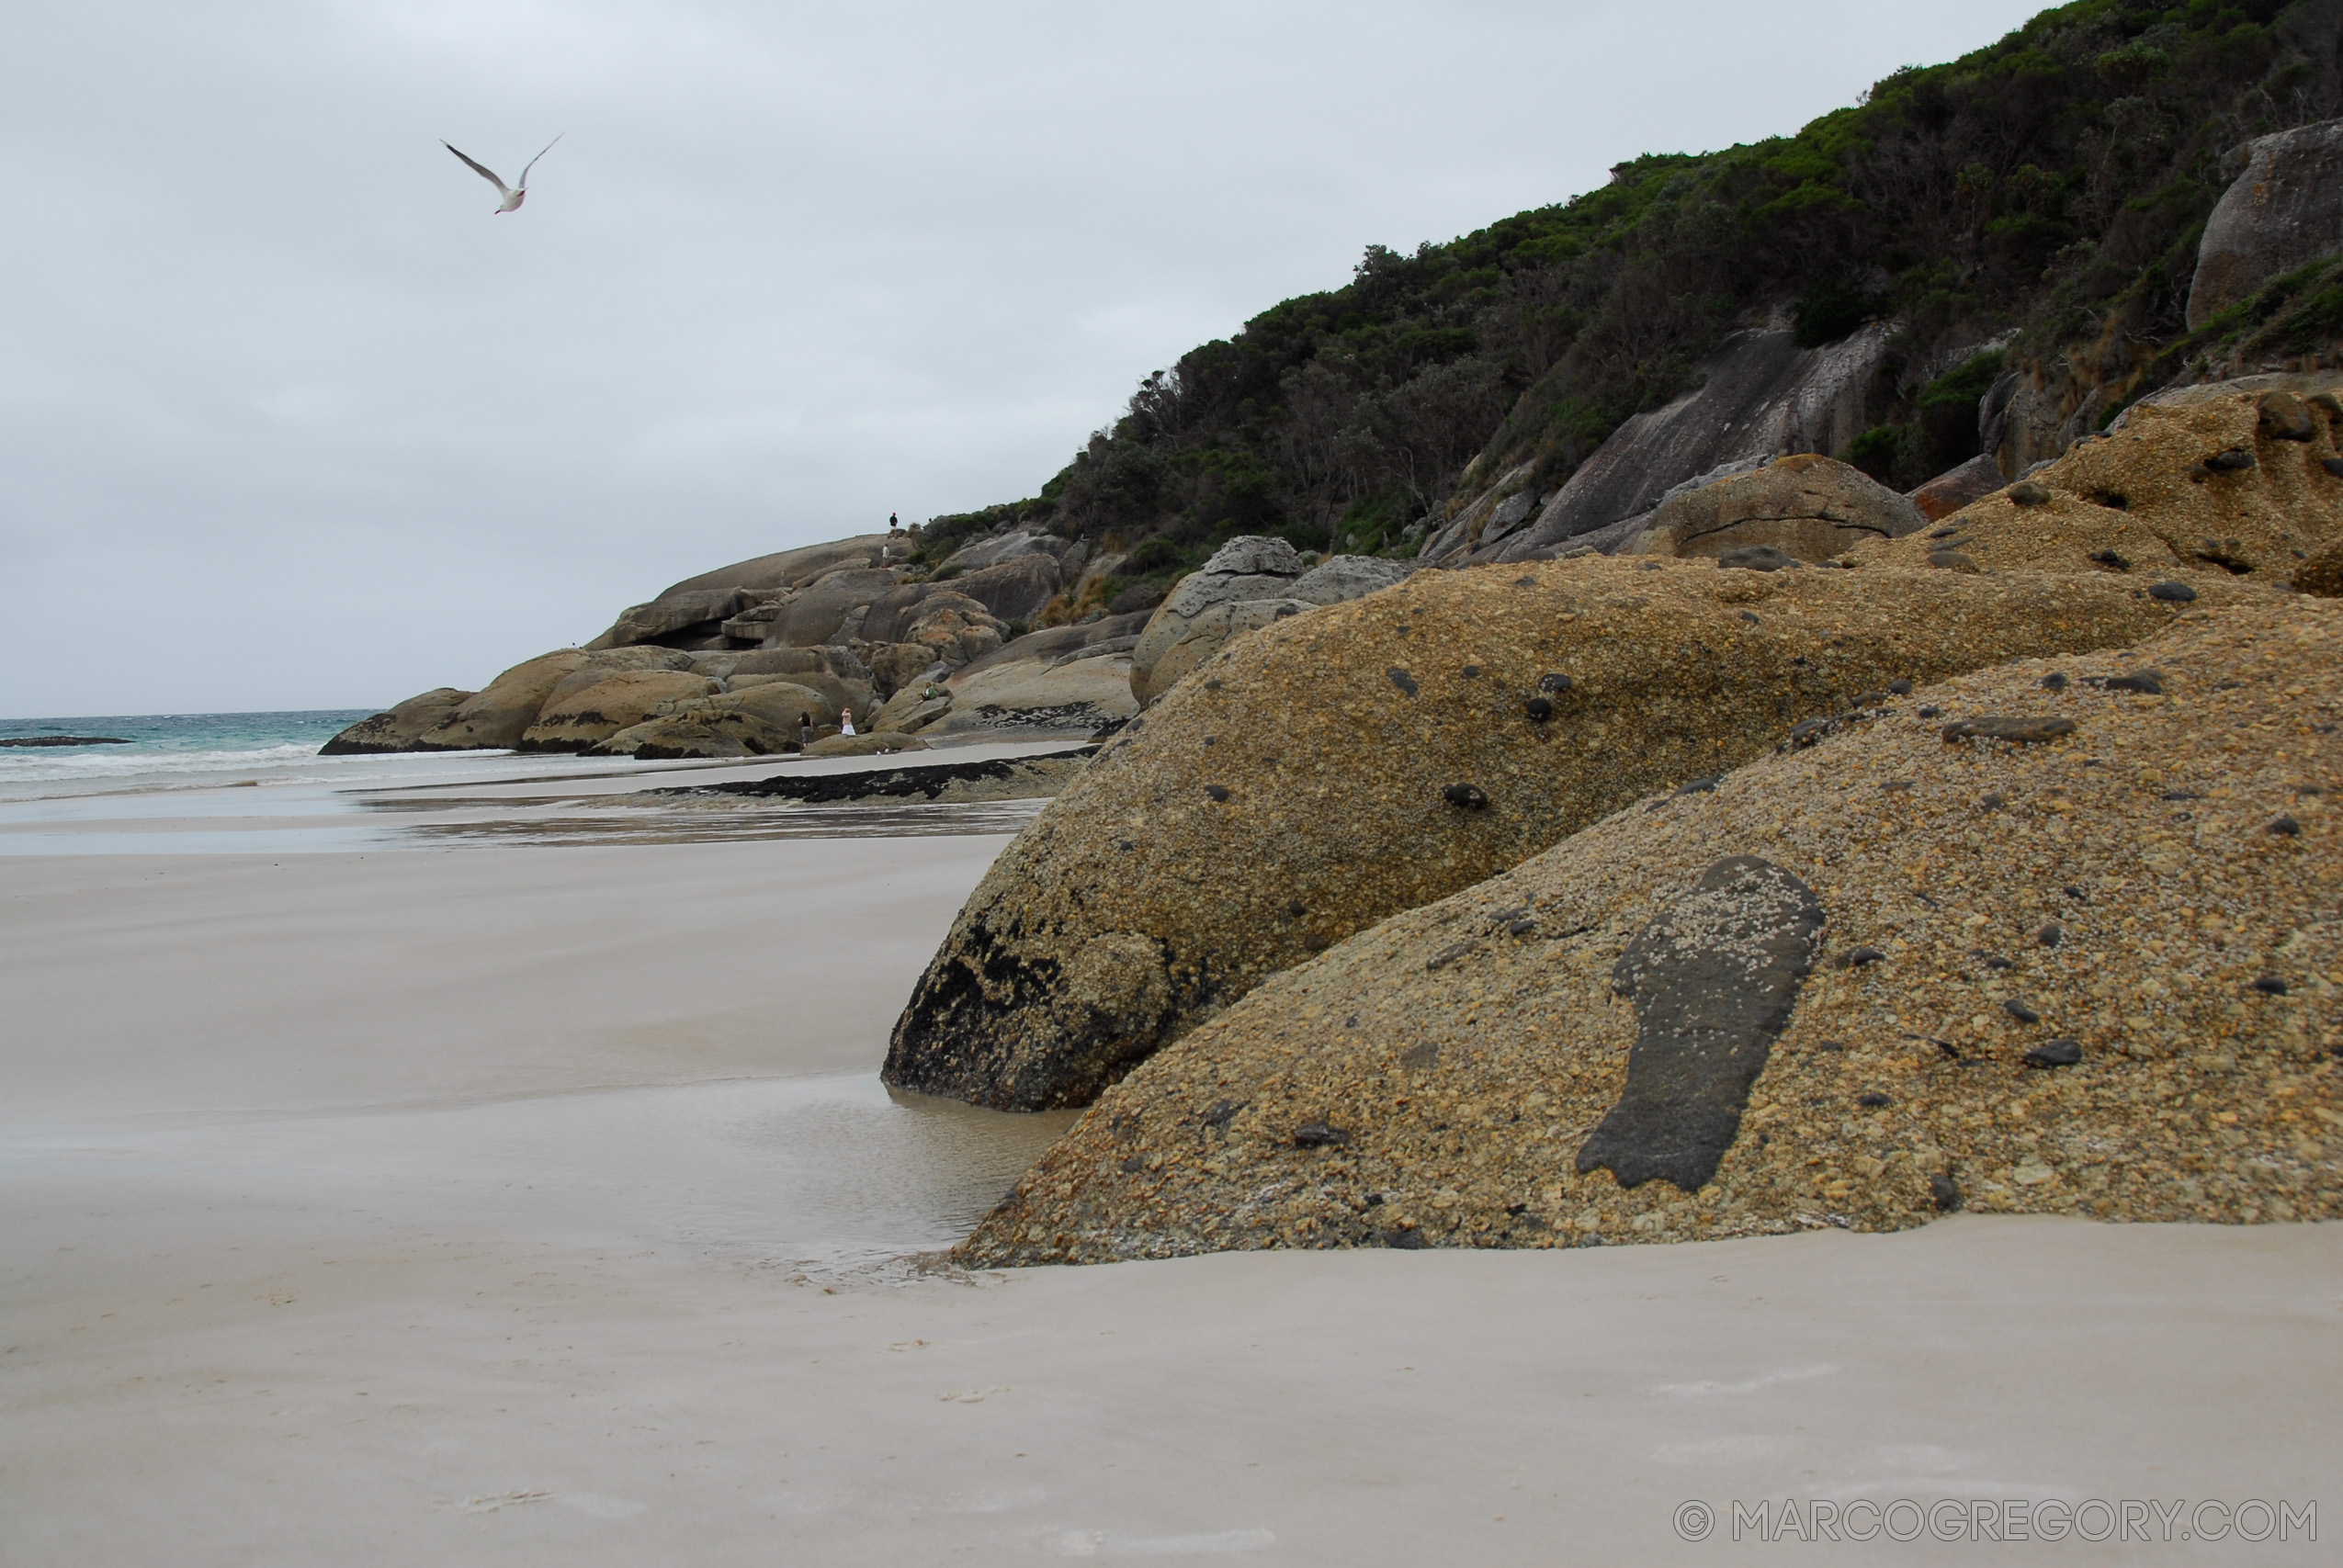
column 518, row 1205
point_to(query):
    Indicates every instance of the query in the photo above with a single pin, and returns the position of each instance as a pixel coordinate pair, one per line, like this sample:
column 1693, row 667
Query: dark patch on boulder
column 2283, row 827
column 1714, row 980
column 1466, row 797
column 2231, row 460
column 2054, row 1053
column 2028, row 492
column 1539, row 709
column 1944, row 1192
column 2018, row 1010
column 1754, row 557
column 2172, row 592
column 1402, row 680
column 1217, row 792
column 2110, row 558
column 1552, row 684
column 2017, row 731
column 2283, row 416
column 2147, row 682
column 2271, row 986
column 1320, row 1136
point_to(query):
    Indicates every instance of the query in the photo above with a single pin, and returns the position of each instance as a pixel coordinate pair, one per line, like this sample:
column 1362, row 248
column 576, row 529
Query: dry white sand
column 514, row 1205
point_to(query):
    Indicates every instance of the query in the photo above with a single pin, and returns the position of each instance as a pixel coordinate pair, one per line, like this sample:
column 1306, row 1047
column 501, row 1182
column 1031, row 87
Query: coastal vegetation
column 2036, row 202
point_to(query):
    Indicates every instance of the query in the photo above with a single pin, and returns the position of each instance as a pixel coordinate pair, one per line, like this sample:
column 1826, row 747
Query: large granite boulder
column 790, row 569
column 1339, row 578
column 1330, row 769
column 1030, row 699
column 1014, row 590
column 2286, row 209
column 1011, row 590
column 694, row 612
column 2203, row 485
column 1250, row 567
column 597, row 709
column 1760, row 396
column 895, row 665
column 1210, row 631
column 1857, row 985
column 1008, row 546
column 1957, row 487
column 760, row 719
column 1246, row 584
column 831, row 609
column 833, row 695
column 1807, row 507
column 952, row 629
column 495, row 719
column 398, row 728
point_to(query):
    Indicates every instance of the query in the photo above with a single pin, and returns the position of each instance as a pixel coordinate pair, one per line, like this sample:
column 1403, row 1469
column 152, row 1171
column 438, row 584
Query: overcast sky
column 289, row 420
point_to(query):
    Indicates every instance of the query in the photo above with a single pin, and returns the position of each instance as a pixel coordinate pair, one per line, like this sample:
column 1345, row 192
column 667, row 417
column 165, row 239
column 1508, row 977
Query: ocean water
column 253, row 783
column 197, row 751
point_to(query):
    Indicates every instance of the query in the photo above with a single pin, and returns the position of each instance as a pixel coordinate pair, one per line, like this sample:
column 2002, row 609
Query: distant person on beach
column 805, row 730
column 894, row 524
column 845, row 721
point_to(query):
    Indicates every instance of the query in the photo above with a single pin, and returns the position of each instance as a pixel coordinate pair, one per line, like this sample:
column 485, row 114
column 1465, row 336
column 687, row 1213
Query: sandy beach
column 515, row 1204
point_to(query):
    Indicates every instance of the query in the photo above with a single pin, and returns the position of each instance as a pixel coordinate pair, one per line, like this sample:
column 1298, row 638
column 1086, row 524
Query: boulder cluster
column 1805, row 864
column 740, row 662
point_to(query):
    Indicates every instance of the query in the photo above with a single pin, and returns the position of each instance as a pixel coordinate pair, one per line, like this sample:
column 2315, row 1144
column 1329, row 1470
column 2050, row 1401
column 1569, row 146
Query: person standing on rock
column 805, row 730
column 845, row 721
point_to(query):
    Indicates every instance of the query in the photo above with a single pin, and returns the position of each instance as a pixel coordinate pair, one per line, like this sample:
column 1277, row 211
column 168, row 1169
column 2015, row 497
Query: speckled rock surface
column 2099, row 975
column 1328, row 770
column 2159, row 498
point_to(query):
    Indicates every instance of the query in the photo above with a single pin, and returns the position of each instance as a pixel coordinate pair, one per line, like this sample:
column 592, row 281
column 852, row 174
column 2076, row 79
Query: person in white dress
column 846, row 721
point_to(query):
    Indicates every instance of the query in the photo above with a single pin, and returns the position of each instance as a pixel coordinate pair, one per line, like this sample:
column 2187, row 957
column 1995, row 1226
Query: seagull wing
column 526, row 167
column 483, row 170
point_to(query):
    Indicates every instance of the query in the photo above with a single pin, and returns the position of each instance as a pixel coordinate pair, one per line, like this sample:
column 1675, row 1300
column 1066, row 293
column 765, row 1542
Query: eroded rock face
column 1807, row 507
column 1335, row 768
column 2284, row 210
column 1760, row 396
column 398, row 728
column 699, row 610
column 2093, row 976
column 2198, row 485
column 599, row 709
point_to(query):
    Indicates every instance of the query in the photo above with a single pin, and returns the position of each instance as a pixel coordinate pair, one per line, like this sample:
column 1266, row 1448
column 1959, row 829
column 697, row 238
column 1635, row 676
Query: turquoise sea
column 224, row 782
column 204, row 768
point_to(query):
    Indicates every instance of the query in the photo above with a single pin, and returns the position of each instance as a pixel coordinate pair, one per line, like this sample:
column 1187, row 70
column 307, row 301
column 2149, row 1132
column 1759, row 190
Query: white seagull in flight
column 514, row 194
